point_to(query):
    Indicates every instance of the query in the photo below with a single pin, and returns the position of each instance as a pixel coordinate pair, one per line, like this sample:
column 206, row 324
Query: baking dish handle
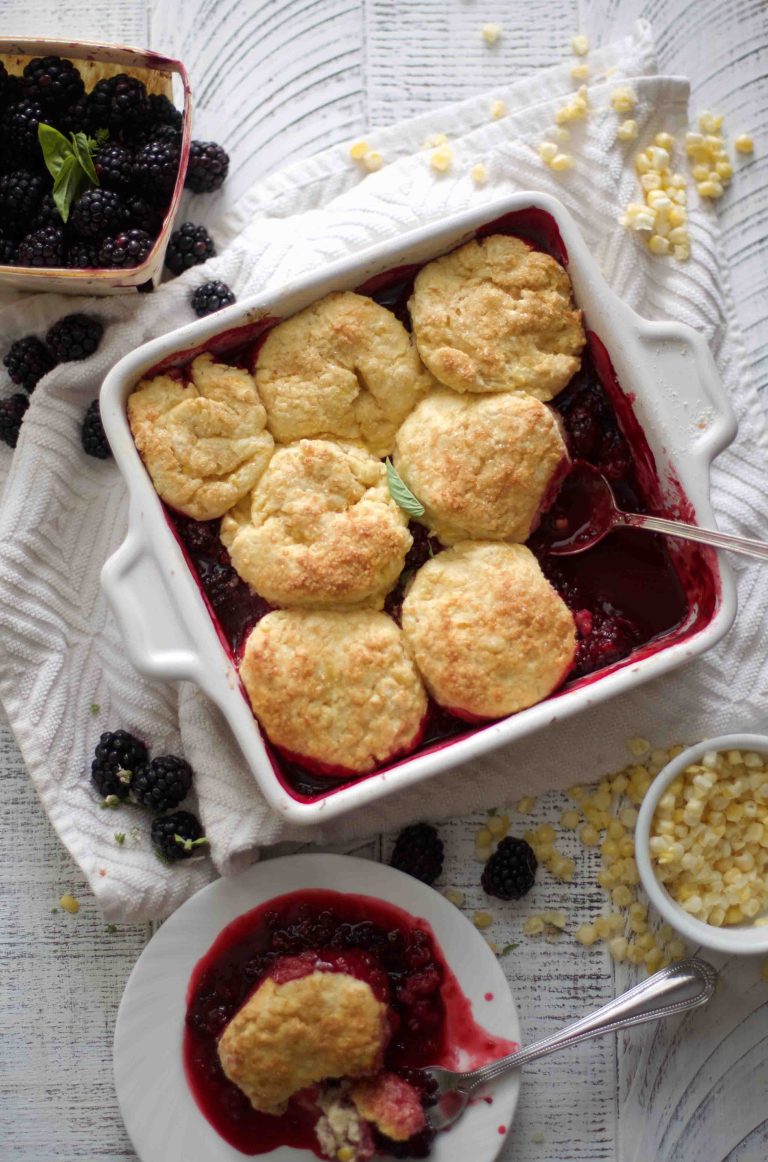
column 149, row 620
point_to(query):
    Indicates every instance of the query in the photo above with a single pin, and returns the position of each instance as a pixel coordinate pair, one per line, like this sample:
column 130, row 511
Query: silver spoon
column 684, row 985
column 585, row 512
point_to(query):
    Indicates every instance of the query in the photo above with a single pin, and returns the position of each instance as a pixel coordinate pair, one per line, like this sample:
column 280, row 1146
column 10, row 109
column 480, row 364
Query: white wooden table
column 281, row 79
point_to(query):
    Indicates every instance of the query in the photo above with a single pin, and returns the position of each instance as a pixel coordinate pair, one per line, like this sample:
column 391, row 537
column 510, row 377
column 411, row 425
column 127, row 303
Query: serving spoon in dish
column 585, row 512
column 685, row 985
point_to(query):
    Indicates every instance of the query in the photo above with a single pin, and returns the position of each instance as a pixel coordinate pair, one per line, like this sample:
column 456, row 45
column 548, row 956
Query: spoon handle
column 678, row 528
column 684, row 985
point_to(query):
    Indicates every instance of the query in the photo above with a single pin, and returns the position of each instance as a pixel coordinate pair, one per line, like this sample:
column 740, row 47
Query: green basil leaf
column 401, row 493
column 68, row 184
column 56, row 149
column 84, row 148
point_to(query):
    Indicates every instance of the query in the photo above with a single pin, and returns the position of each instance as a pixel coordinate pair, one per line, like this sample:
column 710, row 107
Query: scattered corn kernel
column 373, row 160
column 570, row 819
column 498, row 825
column 434, row 140
column 628, row 130
column 479, row 174
column 483, row 838
column 454, row 896
column 710, row 189
column 345, row 1154
column 498, row 109
column 586, row 935
column 441, row 159
column 589, row 836
column 579, row 45
column 526, row 805
column 533, row 926
column 561, row 162
column 537, row 1136
column 482, row 920
column 658, row 245
column 69, row 904
column 580, row 72
column 358, row 150
column 490, row 33
column 744, row 144
column 623, row 99
column 618, row 947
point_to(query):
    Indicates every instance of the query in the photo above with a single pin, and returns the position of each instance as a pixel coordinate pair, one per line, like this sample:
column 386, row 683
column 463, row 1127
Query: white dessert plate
column 159, row 1111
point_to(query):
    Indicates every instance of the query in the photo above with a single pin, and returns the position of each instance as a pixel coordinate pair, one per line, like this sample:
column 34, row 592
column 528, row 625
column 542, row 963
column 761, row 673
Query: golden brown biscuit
column 344, row 368
column 292, row 1034
column 483, row 466
column 320, row 528
column 339, row 690
column 489, row 633
column 203, row 442
column 496, row 315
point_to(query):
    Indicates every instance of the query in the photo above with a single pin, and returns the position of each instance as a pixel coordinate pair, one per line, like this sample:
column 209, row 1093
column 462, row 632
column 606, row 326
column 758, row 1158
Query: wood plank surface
column 277, row 80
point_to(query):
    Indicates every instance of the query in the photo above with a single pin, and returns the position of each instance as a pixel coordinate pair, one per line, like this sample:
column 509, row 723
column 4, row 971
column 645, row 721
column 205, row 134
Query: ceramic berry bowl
column 701, row 844
column 61, row 89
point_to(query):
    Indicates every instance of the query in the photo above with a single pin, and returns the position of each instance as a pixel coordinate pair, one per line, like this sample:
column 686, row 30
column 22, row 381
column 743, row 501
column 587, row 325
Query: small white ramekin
column 736, row 939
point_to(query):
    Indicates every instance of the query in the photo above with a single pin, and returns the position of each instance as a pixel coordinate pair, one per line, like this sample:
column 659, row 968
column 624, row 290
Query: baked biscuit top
column 203, row 441
column 344, row 368
column 496, row 315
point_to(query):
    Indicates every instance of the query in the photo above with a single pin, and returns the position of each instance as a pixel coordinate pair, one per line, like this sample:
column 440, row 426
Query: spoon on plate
column 684, row 985
column 586, row 511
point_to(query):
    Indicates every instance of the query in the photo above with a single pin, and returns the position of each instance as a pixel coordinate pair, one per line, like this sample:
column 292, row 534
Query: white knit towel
column 63, row 514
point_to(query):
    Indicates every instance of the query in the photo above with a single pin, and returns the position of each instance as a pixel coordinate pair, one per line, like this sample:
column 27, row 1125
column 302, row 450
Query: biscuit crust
column 292, row 1034
column 337, row 689
column 320, row 529
column 489, row 633
column 203, row 442
column 483, row 466
column 496, row 315
column 344, row 368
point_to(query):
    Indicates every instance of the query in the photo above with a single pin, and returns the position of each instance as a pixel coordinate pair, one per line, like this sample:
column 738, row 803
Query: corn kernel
column 69, row 904
column 561, row 133
column 561, row 162
column 482, row 854
column 576, row 793
column 586, row 935
column 434, row 140
column 724, row 171
column 490, row 33
column 589, row 836
column 628, row 130
column 527, row 803
column 665, row 141
column 482, row 920
column 623, row 99
column 498, row 109
column 710, row 189
column 744, row 144
column 372, row 160
column 533, row 926
column 621, row 896
column 358, row 151
column 498, row 825
column 580, row 72
column 454, row 896
column 479, row 174
column 345, row 1154
column 579, row 45
column 570, row 819
column 537, row 1136
column 618, row 947
column 441, row 159
column 658, row 245
column 483, row 837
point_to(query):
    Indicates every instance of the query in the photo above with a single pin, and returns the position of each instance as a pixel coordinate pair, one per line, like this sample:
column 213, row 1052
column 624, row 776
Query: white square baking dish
column 671, row 402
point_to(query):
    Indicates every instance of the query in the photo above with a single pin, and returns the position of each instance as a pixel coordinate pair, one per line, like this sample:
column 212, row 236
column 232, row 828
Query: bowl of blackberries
column 95, row 153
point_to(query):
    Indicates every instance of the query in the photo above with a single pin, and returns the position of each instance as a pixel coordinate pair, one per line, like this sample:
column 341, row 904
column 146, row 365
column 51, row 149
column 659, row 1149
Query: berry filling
column 430, row 1020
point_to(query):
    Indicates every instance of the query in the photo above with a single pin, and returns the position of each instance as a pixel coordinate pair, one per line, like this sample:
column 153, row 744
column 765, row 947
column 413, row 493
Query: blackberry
column 28, row 360
column 53, row 81
column 82, row 254
column 511, row 871
column 118, row 758
column 154, row 170
column 210, row 297
column 44, row 247
column 20, row 195
column 74, row 337
column 130, row 248
column 12, row 412
column 75, row 118
column 163, row 784
column 19, row 132
column 114, row 165
column 189, row 246
column 47, row 214
column 145, row 216
column 418, row 852
column 92, row 434
column 97, row 213
column 118, row 103
column 162, row 111
column 177, row 836
column 7, row 249
column 207, row 168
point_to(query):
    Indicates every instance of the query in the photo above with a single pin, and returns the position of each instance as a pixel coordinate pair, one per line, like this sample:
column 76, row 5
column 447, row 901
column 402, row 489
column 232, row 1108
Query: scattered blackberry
column 28, row 360
column 19, row 132
column 7, row 249
column 511, row 871
column 189, row 246
column 118, row 103
column 130, row 248
column 74, row 337
column 177, row 836
column 418, row 852
column 210, row 297
column 155, row 168
column 98, row 212
column 164, row 112
column 114, row 165
column 12, row 412
column 118, row 758
column 53, row 81
column 47, row 214
column 82, row 254
column 44, row 247
column 92, row 434
column 163, row 784
column 145, row 216
column 20, row 195
column 208, row 167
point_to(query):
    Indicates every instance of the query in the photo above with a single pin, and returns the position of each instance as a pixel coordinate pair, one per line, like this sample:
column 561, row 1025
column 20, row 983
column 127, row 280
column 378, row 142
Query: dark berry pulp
column 430, row 1017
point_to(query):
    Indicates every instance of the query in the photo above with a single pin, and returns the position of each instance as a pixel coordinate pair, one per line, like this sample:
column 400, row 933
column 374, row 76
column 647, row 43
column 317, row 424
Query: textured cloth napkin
column 62, row 514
